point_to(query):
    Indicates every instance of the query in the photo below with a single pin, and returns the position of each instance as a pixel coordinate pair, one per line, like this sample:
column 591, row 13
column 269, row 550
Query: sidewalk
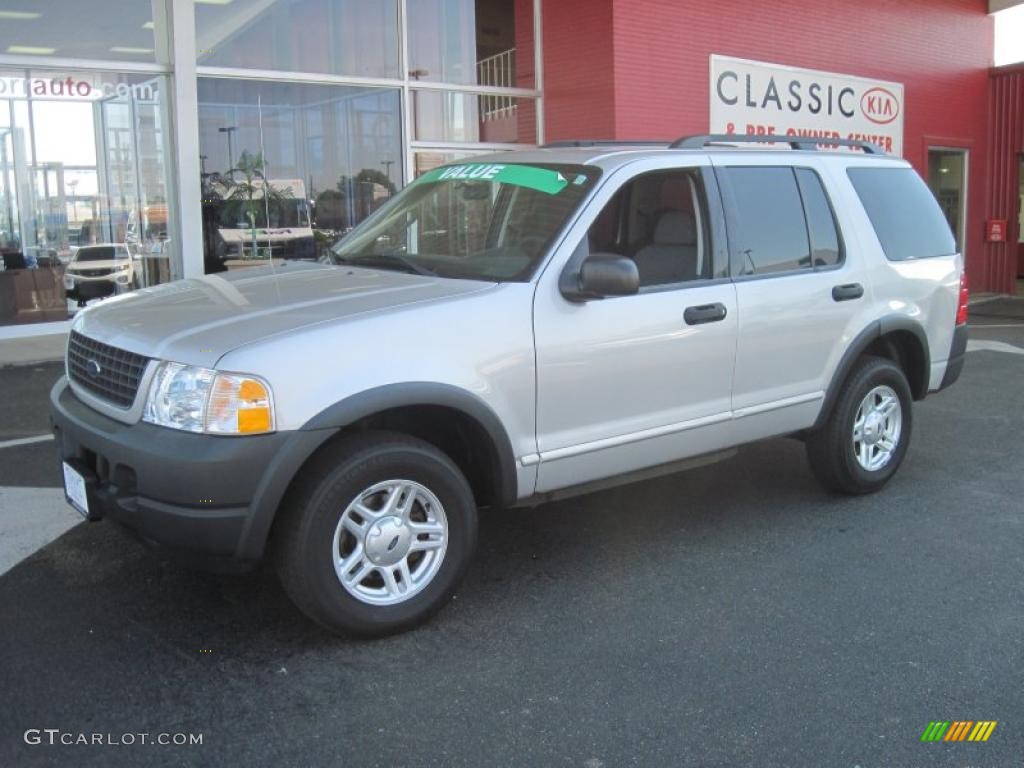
column 23, row 345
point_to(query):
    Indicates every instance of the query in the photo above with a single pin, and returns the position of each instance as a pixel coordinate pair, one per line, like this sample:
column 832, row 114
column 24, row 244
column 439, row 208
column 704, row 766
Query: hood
column 198, row 320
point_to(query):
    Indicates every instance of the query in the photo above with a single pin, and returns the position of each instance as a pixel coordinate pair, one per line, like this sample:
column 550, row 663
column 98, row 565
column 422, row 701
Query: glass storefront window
column 339, row 37
column 110, row 30
column 471, row 42
column 81, row 165
column 287, row 168
column 463, row 117
column 428, row 160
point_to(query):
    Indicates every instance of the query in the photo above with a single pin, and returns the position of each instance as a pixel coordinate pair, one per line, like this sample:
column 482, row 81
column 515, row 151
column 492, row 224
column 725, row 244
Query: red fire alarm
column 995, row 231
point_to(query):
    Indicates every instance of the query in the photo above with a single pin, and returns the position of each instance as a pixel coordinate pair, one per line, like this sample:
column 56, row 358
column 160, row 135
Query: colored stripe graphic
column 958, row 730
column 982, row 730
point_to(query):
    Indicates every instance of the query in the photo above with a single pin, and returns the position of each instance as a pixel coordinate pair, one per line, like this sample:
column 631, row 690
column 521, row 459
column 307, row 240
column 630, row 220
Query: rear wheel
column 866, row 436
column 376, row 534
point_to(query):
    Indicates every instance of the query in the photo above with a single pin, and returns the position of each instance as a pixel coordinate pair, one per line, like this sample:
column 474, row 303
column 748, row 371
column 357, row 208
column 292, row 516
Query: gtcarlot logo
column 55, row 736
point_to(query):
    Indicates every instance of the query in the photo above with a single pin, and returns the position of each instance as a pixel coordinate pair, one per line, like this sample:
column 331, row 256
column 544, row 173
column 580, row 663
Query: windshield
column 101, row 253
column 480, row 221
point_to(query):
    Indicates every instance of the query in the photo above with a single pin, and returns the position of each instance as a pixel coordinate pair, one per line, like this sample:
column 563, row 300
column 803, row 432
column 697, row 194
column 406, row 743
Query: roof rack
column 601, row 143
column 805, row 143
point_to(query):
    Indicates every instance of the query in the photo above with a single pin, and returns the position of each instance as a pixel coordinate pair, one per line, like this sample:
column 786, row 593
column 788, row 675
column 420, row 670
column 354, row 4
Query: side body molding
column 407, row 394
column 860, row 343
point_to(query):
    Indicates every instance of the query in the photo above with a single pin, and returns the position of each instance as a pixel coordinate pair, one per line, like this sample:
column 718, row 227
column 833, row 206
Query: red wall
column 579, row 77
column 657, row 55
column 1006, row 104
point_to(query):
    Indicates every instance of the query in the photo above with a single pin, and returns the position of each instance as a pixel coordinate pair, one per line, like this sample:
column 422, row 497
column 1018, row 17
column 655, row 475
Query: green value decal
column 542, row 179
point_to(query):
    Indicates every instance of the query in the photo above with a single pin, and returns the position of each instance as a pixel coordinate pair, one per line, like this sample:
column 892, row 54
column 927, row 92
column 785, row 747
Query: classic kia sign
column 754, row 97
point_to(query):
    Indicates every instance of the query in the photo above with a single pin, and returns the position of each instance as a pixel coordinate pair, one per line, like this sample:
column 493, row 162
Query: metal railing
column 497, row 71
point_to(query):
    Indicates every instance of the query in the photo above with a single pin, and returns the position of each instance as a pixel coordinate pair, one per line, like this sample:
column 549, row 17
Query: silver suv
column 507, row 331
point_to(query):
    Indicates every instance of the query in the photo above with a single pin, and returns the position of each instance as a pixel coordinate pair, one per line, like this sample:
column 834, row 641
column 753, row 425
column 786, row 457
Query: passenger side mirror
column 599, row 276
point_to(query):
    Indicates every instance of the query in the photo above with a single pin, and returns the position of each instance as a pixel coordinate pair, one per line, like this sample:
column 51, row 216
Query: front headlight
column 202, row 400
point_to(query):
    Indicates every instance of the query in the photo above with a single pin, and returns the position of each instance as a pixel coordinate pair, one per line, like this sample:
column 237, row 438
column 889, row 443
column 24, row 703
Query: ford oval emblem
column 93, row 368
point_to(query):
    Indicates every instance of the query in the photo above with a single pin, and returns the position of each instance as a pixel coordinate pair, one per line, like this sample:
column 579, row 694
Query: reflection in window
column 110, row 30
column 340, row 37
column 82, row 164
column 287, row 169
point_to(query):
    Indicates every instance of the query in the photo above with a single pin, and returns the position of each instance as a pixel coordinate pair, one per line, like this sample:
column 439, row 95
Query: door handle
column 847, row 292
column 705, row 313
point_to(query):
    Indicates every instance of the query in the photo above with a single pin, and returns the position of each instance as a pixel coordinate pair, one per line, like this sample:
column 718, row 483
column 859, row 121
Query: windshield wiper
column 389, row 259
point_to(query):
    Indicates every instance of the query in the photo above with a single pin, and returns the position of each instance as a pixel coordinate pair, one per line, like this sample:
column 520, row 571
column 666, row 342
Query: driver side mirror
column 601, row 275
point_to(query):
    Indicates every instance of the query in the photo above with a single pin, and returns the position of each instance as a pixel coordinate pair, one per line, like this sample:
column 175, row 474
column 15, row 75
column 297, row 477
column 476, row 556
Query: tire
column 838, row 459
column 339, row 504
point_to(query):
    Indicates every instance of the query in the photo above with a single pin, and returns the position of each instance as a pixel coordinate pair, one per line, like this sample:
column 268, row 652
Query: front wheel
column 376, row 534
column 866, row 436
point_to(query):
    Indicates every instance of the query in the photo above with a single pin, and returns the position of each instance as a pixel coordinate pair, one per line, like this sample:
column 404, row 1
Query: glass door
column 1020, row 222
column 947, row 178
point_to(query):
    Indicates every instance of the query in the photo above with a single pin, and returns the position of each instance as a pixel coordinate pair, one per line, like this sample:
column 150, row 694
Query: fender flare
column 306, row 440
column 876, row 330
column 371, row 401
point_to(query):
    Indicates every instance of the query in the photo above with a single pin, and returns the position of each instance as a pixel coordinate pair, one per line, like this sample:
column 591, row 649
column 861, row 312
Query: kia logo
column 93, row 368
column 879, row 106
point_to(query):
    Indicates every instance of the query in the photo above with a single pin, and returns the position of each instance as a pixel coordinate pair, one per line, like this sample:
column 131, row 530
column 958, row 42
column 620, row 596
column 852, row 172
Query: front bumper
column 199, row 493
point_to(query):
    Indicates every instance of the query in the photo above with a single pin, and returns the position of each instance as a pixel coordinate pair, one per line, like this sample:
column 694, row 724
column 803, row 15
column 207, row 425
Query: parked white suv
column 507, row 331
column 95, row 271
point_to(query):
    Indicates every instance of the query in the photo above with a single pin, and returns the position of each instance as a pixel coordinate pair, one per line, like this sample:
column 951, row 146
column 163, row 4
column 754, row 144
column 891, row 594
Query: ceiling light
column 129, row 49
column 148, row 25
column 31, row 49
column 19, row 15
column 213, row 2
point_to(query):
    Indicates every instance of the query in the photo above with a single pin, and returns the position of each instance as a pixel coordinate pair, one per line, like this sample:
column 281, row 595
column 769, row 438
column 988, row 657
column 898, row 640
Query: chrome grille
column 119, row 372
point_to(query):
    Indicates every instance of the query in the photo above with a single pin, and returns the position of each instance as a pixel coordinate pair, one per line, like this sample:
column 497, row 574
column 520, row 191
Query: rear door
column 799, row 292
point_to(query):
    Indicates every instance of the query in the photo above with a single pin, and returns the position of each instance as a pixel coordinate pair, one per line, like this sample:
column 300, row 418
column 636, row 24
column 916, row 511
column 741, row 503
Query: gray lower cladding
column 200, row 493
column 957, row 353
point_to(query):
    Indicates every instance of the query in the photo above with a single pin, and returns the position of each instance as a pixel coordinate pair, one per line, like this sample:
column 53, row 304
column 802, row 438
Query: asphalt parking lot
column 735, row 615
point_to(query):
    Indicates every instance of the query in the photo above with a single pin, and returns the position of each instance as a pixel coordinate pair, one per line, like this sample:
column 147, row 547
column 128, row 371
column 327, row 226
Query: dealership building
column 192, row 136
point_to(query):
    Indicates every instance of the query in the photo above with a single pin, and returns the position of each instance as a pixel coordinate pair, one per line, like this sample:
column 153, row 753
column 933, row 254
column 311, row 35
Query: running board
column 627, row 478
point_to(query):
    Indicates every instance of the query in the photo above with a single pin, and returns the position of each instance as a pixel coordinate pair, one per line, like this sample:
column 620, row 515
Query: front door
column 635, row 381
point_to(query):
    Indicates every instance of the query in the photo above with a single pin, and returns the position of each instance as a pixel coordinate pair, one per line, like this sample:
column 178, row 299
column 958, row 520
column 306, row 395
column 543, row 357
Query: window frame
column 731, row 215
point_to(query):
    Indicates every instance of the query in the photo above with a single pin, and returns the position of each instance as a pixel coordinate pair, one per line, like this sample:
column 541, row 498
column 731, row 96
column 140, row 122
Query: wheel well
column 904, row 349
column 461, row 437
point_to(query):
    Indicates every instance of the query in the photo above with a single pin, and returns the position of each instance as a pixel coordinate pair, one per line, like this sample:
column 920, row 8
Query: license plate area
column 79, row 485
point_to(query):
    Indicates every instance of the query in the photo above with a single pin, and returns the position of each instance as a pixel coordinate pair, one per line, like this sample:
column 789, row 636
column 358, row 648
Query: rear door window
column 826, row 248
column 767, row 229
column 904, row 213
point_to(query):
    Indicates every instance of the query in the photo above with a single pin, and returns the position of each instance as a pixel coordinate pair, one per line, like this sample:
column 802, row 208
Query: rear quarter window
column 904, row 213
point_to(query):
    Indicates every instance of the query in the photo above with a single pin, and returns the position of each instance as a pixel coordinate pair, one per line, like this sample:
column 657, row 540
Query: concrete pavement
column 733, row 615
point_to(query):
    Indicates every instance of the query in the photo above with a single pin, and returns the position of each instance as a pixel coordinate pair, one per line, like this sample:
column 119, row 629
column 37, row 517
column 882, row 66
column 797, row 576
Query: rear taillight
column 961, row 309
